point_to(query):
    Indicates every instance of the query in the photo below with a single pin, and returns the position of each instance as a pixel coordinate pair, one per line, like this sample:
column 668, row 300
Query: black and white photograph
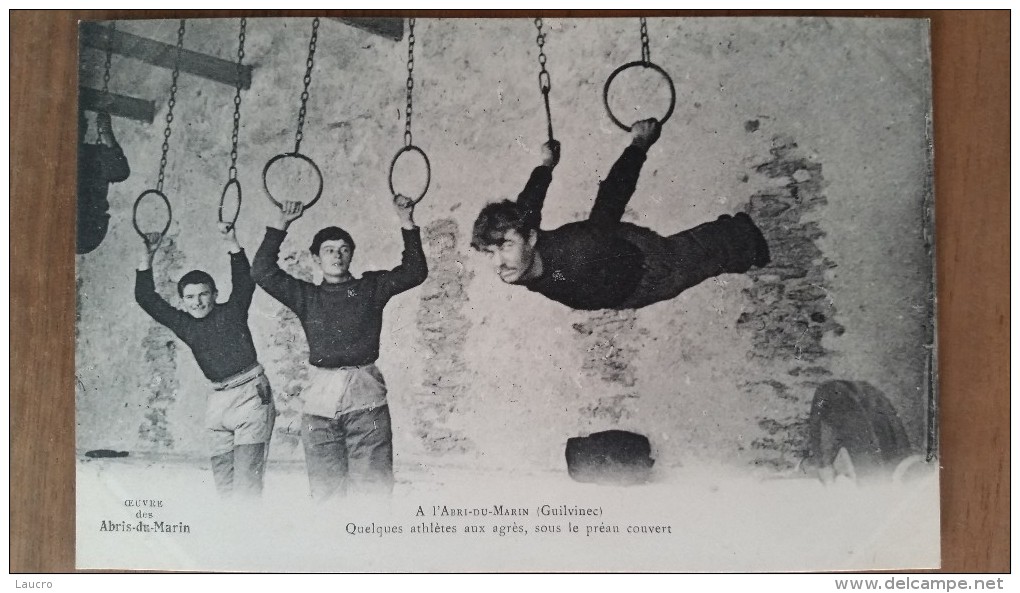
column 629, row 294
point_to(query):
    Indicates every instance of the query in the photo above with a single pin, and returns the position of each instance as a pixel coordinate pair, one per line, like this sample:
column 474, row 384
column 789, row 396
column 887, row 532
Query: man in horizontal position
column 601, row 262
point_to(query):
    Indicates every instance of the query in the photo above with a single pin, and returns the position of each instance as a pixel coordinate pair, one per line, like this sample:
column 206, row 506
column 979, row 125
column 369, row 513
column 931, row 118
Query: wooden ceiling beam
column 161, row 54
column 117, row 105
column 388, row 28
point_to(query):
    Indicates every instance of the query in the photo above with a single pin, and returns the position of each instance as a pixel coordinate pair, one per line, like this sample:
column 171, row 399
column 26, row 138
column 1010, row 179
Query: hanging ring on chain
column 428, row 170
column 291, row 155
column 169, row 213
column 643, row 64
column 223, row 200
column 544, row 82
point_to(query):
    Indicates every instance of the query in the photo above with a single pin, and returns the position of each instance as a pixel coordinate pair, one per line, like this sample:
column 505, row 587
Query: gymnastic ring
column 294, row 155
column 428, row 170
column 134, row 213
column 223, row 197
column 653, row 66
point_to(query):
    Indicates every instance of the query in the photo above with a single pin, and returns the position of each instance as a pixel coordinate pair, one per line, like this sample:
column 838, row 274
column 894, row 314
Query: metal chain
column 106, row 75
column 646, row 53
column 170, row 105
column 308, row 80
column 544, row 81
column 232, row 172
column 109, row 56
column 409, row 110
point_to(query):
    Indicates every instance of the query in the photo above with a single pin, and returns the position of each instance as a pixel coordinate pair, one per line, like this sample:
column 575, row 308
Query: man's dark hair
column 195, row 277
column 330, row 233
column 496, row 219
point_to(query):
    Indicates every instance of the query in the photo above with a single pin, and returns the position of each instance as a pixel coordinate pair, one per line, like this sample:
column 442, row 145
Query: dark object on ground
column 854, row 431
column 610, row 457
column 105, row 453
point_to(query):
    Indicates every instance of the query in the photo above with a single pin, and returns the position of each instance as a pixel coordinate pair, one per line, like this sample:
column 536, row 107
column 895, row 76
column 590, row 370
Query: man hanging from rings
column 601, row 262
column 345, row 422
column 239, row 410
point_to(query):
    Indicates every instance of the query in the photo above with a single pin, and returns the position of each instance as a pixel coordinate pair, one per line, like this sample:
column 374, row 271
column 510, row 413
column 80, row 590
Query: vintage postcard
column 563, row 294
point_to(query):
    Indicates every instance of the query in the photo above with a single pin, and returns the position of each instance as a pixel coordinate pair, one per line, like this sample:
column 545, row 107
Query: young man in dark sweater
column 239, row 412
column 601, row 262
column 345, row 424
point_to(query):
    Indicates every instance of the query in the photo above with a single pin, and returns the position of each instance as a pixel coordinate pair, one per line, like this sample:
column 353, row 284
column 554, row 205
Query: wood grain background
column 970, row 52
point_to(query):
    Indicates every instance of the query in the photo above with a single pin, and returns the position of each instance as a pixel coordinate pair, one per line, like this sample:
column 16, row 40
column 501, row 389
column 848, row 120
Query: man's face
column 514, row 256
column 199, row 300
column 334, row 259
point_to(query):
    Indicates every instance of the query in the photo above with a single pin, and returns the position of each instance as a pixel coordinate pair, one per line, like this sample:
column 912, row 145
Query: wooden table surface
column 970, row 51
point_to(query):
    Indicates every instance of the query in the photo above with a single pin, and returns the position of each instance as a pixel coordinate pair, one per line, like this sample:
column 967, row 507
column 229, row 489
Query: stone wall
column 815, row 127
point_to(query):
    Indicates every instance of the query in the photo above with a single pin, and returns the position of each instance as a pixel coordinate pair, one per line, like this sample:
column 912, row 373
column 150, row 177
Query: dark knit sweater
column 221, row 341
column 585, row 264
column 342, row 321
